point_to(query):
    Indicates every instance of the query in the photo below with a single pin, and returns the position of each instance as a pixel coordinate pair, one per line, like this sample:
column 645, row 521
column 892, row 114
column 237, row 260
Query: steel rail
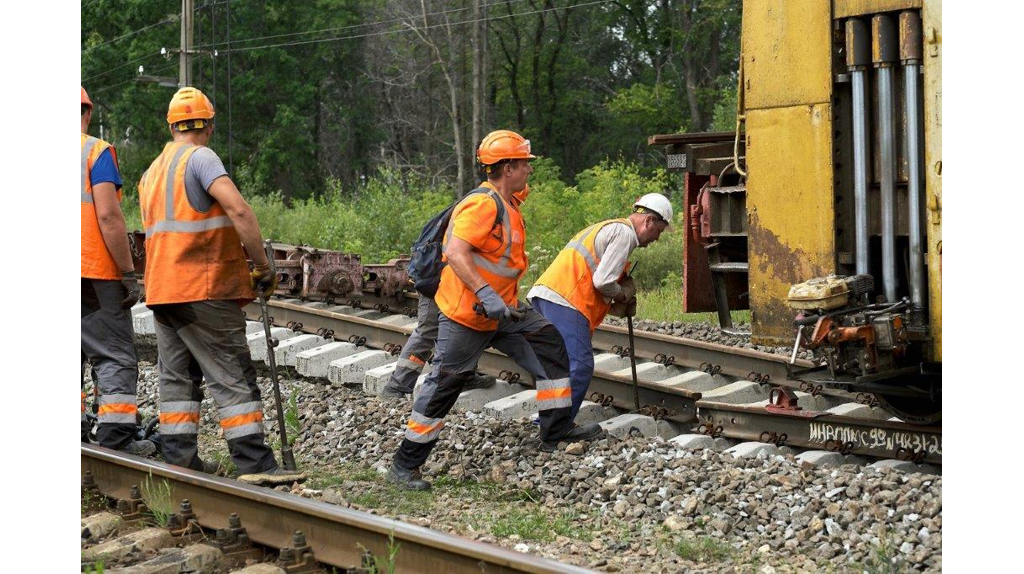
column 821, row 431
column 680, row 404
column 338, row 536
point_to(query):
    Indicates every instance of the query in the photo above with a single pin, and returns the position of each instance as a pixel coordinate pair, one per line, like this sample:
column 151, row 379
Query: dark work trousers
column 533, row 343
column 417, row 349
column 108, row 344
column 207, row 338
column 575, row 331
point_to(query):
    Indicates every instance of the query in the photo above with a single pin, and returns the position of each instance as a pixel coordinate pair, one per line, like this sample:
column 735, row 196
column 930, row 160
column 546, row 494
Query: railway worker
column 109, row 289
column 483, row 247
column 588, row 279
column 417, row 350
column 197, row 280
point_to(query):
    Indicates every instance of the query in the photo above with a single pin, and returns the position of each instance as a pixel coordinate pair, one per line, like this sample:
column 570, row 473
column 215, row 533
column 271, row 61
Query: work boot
column 213, row 467
column 389, row 392
column 273, row 477
column 479, row 381
column 407, row 479
column 578, row 433
column 140, row 448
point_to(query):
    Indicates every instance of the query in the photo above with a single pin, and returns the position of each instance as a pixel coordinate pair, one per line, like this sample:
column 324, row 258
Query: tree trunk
column 478, row 71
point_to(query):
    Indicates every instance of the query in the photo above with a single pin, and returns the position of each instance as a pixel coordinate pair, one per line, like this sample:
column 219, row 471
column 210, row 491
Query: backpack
column 425, row 263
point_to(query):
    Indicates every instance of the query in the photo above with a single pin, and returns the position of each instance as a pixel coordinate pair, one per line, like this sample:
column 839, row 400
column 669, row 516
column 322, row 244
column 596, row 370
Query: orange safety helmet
column 503, row 144
column 189, row 104
column 85, row 98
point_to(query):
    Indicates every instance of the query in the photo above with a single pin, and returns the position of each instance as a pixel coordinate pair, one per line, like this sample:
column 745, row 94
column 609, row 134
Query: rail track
column 696, row 386
column 308, row 535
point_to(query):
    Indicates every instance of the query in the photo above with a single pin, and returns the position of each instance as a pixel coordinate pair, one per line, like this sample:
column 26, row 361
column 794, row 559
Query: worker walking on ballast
column 417, row 350
column 197, row 281
column 588, row 279
column 479, row 308
column 109, row 289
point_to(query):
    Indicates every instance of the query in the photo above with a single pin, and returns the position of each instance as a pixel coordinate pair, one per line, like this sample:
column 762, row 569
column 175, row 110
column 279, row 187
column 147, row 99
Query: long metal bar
column 884, row 439
column 287, row 456
column 858, row 60
column 337, row 535
column 681, row 404
column 884, row 36
column 860, row 170
column 910, row 52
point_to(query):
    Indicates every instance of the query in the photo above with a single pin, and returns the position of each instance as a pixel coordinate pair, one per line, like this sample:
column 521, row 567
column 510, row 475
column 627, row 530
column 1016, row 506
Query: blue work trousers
column 575, row 331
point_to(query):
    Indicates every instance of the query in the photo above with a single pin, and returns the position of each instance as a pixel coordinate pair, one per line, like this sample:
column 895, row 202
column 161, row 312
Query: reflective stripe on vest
column 501, row 268
column 191, row 255
column 86, row 150
column 97, row 262
column 571, row 274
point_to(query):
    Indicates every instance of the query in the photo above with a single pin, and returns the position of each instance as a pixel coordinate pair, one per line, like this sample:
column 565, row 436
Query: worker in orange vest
column 197, row 281
column 418, row 349
column 588, row 279
column 479, row 308
column 109, row 289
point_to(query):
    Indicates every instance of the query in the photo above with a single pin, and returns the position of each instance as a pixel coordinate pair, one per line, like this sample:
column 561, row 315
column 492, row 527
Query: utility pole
column 185, row 55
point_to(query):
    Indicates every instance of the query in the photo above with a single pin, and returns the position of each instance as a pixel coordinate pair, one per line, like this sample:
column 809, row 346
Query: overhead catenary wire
column 231, row 49
column 368, row 24
column 429, row 27
column 171, row 18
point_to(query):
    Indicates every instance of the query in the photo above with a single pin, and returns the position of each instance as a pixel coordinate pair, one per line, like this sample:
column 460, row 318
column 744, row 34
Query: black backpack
column 425, row 264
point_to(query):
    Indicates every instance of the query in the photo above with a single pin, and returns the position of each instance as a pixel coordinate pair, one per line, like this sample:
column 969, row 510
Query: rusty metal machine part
column 865, row 347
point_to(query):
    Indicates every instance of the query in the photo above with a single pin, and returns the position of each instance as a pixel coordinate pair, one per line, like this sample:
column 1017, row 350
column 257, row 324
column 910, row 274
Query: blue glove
column 494, row 306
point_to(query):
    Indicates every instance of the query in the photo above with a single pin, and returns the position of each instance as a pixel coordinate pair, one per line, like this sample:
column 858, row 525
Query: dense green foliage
column 337, row 89
column 347, row 124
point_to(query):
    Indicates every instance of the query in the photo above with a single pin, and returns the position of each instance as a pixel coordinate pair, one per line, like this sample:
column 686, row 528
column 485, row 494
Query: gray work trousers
column 108, row 344
column 533, row 343
column 207, row 338
column 417, row 350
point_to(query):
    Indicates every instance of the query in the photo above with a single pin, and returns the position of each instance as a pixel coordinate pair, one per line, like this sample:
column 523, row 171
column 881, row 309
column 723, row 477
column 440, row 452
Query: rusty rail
column 338, row 536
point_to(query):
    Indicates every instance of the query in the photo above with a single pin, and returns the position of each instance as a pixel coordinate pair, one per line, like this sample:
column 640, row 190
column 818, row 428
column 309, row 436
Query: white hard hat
column 657, row 203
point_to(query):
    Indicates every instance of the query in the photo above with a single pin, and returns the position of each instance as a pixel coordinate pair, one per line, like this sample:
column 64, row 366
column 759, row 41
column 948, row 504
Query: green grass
column 291, row 416
column 884, row 557
column 531, row 522
column 159, row 499
column 375, row 564
column 704, row 549
column 666, row 302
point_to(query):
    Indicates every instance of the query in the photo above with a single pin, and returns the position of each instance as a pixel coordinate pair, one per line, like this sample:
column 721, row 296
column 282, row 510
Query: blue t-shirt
column 105, row 170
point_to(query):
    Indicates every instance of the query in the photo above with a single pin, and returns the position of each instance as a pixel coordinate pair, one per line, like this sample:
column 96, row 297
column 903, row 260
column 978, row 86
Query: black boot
column 479, row 381
column 578, row 433
column 406, row 478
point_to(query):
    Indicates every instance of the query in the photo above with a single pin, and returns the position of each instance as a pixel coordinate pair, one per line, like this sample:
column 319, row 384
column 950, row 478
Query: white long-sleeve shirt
column 612, row 246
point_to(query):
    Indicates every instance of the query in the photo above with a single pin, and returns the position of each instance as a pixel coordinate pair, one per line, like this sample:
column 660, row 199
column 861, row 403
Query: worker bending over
column 483, row 247
column 109, row 289
column 589, row 275
column 197, row 280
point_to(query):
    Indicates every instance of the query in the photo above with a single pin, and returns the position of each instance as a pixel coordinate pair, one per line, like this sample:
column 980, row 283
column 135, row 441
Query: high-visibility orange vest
column 97, row 262
column 571, row 274
column 190, row 255
column 501, row 260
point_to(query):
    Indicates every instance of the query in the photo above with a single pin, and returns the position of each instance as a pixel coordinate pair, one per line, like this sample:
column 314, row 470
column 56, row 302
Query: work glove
column 263, row 281
column 135, row 291
column 628, row 289
column 493, row 305
column 623, row 308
